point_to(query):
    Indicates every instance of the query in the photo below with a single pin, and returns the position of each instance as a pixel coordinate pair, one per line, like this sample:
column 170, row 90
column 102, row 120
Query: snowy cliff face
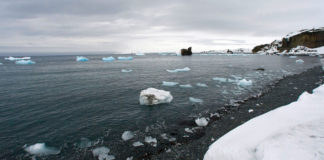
column 309, row 41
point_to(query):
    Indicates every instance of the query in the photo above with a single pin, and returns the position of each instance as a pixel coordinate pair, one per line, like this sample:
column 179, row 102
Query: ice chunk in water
column 137, row 144
column 153, row 96
column 220, row 79
column 102, row 153
column 170, row 84
column 201, row 122
column 129, row 158
column 185, row 86
column 127, row 135
column 244, row 82
column 250, row 110
column 17, row 59
column 125, row 58
column 299, row 61
column 1, row 64
column 41, row 149
column 23, row 62
column 126, row 70
column 81, row 59
column 139, row 54
column 150, row 140
column 179, row 70
column 292, row 56
column 188, row 130
column 201, row 85
column 108, row 59
column 195, row 100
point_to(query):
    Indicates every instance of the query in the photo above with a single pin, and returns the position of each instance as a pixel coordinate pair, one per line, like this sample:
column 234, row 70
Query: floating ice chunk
column 125, row 58
column 129, row 158
column 244, row 82
column 102, row 153
column 195, row 100
column 81, row 59
column 169, row 84
column 127, row 135
column 139, row 54
column 179, row 70
column 185, row 86
column 1, row 63
column 16, row 59
column 137, row 144
column 108, row 59
column 201, row 85
column 164, row 136
column 292, row 56
column 220, row 79
column 41, row 149
column 201, row 122
column 85, row 143
column 250, row 110
column 299, row 61
column 232, row 80
column 188, row 130
column 126, row 70
column 153, row 96
column 150, row 140
column 24, row 62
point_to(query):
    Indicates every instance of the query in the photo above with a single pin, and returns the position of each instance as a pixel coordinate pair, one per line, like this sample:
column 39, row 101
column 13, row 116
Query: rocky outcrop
column 312, row 38
column 186, row 52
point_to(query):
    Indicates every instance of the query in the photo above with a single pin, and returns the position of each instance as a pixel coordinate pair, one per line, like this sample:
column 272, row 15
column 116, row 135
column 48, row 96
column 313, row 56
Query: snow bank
column 296, row 135
column 125, row 58
column 102, row 153
column 81, row 59
column 179, row 70
column 195, row 100
column 201, row 122
column 127, row 135
column 24, row 62
column 153, row 96
column 41, row 149
column 17, row 59
column 244, row 83
column 126, row 70
column 108, row 59
column 299, row 61
column 169, row 84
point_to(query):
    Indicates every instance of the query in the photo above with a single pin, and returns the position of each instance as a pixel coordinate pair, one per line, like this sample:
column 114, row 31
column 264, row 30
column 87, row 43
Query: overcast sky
column 150, row 25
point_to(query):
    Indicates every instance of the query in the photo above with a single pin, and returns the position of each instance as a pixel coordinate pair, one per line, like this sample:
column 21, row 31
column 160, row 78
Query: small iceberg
column 152, row 96
column 126, row 70
column 81, row 59
column 195, row 100
column 1, row 63
column 188, row 130
column 201, row 122
column 102, row 153
column 137, row 144
column 185, row 86
column 139, row 54
column 201, row 85
column 127, row 135
column 125, row 58
column 108, row 59
column 169, row 84
column 25, row 62
column 179, row 70
column 220, row 79
column 299, row 61
column 244, row 83
column 17, row 59
column 292, row 56
column 250, row 110
column 150, row 140
column 41, row 149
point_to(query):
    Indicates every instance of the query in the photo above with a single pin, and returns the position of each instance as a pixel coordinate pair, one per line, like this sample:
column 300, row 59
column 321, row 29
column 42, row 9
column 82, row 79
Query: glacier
column 152, row 96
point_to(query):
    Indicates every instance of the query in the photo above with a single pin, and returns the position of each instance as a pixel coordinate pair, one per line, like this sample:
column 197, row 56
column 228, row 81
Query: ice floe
column 139, row 54
column 297, row 133
column 188, row 130
column 102, row 153
column 125, row 58
column 201, row 122
column 108, row 59
column 137, row 144
column 150, row 140
column 25, row 62
column 1, row 63
column 129, row 158
column 127, row 135
column 250, row 110
column 244, row 83
column 126, row 70
column 81, row 59
column 220, row 79
column 152, row 96
column 17, row 59
column 299, row 61
column 195, row 100
column 41, row 149
column 179, row 70
column 185, row 86
column 292, row 56
column 169, row 84
column 201, row 85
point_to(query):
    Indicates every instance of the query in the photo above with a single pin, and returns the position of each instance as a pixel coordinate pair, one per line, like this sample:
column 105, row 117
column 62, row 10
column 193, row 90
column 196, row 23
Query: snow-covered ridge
column 291, row 132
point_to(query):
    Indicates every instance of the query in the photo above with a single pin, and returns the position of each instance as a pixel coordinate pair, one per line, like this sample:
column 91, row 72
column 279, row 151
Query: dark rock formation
column 186, row 52
column 260, row 69
column 229, row 51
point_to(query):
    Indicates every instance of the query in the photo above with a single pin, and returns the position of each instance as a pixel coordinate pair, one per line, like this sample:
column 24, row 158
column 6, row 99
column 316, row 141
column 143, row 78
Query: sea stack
column 186, row 52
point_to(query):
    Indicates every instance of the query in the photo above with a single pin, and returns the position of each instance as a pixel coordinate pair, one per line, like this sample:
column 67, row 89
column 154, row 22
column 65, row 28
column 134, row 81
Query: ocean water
column 78, row 106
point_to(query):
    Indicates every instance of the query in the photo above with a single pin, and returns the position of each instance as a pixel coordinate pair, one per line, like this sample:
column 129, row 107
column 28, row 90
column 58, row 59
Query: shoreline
column 285, row 91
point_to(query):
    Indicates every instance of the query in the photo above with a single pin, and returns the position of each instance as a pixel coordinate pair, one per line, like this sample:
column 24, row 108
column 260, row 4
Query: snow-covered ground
column 291, row 132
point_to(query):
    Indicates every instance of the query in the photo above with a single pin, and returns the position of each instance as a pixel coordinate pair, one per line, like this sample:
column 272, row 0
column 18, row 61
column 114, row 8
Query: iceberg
column 127, row 135
column 126, row 70
column 297, row 133
column 1, row 63
column 188, row 130
column 299, row 61
column 102, row 153
column 250, row 110
column 179, row 70
column 137, row 144
column 220, row 79
column 125, row 58
column 24, row 62
column 108, row 59
column 150, row 140
column 152, row 96
column 244, row 82
column 185, row 86
column 41, row 149
column 292, row 56
column 17, row 59
column 195, row 100
column 169, row 84
column 201, row 85
column 139, row 54
column 201, row 122
column 81, row 59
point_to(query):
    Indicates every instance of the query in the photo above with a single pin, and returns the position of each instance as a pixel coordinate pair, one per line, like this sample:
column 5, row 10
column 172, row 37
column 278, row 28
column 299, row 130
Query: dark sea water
column 78, row 106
